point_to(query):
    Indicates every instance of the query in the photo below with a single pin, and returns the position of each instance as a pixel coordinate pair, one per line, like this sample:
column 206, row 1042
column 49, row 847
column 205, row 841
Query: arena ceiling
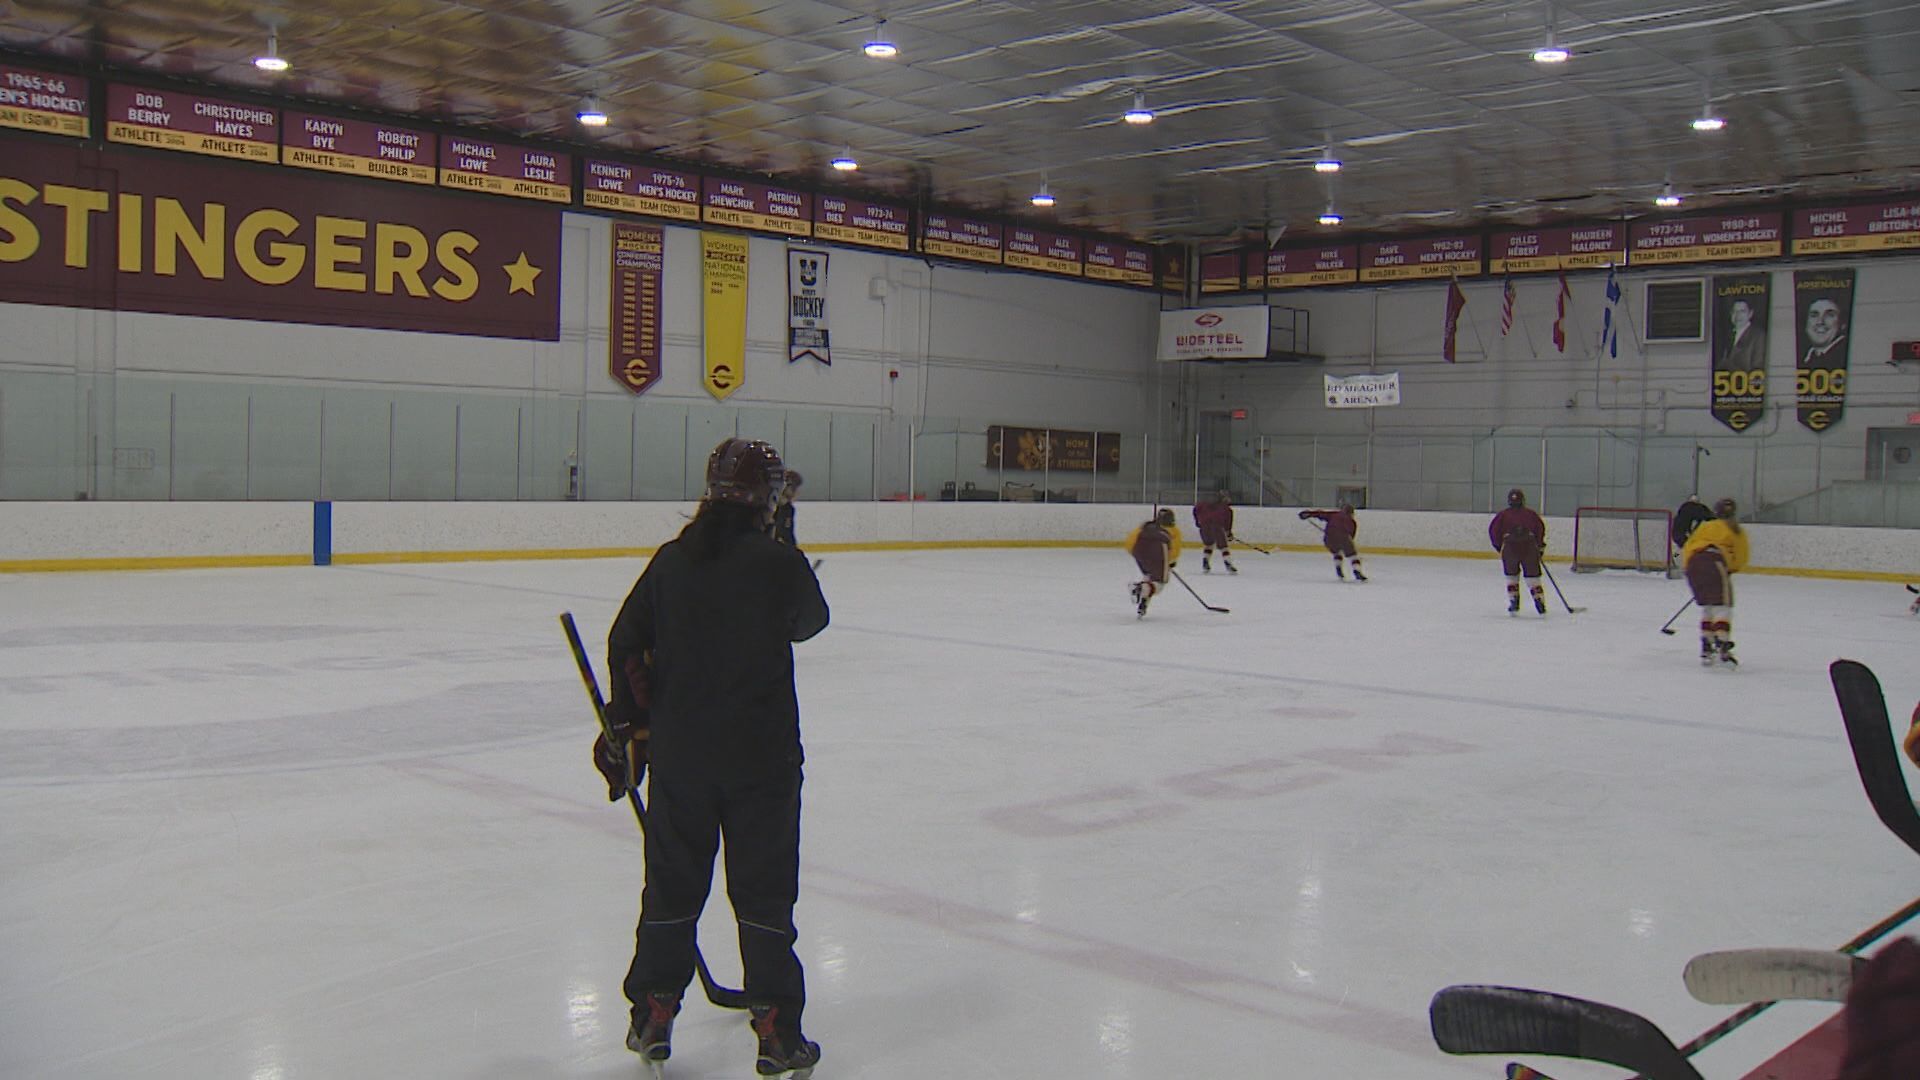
column 1435, row 107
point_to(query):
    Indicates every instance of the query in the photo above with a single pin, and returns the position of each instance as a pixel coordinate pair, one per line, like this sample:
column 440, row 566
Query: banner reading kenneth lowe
column 1224, row 333
column 807, row 306
column 1363, row 391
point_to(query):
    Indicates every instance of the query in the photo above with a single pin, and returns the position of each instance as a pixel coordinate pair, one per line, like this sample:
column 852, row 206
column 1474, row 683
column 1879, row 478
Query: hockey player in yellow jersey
column 1155, row 547
column 1713, row 554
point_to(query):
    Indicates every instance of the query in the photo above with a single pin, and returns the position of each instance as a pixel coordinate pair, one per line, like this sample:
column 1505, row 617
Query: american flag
column 1506, row 307
column 1560, row 319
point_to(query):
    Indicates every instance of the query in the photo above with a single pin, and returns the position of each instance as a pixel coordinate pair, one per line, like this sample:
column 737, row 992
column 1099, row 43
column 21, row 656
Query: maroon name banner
column 956, row 237
column 858, row 221
column 1127, row 264
column 1705, row 239
column 192, row 123
column 43, row 101
column 1033, row 249
column 359, row 148
column 1881, row 226
column 748, row 205
column 1420, row 259
column 498, row 168
column 1220, row 272
column 1565, row 247
column 117, row 231
column 1293, row 268
column 641, row 189
column 639, row 260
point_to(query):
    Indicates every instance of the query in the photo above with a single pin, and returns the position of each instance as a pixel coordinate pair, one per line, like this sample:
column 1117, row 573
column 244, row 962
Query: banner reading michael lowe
column 807, row 306
column 1823, row 306
column 1362, row 391
column 1740, row 348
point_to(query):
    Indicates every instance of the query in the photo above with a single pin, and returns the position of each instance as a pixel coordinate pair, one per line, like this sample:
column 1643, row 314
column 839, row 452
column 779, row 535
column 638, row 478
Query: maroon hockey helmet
column 1164, row 517
column 1516, row 497
column 745, row 472
column 1725, row 508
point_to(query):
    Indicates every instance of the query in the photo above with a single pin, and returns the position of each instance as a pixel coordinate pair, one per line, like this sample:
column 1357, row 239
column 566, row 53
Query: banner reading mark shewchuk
column 1363, row 391
column 807, row 306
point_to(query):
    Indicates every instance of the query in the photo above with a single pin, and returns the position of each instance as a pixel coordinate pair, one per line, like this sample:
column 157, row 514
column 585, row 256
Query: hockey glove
column 1305, row 514
column 1912, row 742
column 623, row 767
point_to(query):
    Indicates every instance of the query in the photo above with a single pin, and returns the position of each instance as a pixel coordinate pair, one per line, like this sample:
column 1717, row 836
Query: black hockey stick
column 725, row 997
column 1668, row 629
column 1571, row 610
column 1189, row 588
column 1508, row 1020
column 1875, row 752
column 1740, row 976
column 1247, row 543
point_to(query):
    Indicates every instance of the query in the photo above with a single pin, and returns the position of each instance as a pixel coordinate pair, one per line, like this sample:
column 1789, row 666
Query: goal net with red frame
column 1622, row 538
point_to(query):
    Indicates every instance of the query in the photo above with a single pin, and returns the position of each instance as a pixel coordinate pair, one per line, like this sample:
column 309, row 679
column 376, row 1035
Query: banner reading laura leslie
column 1363, row 391
column 1740, row 348
column 1823, row 310
column 807, row 333
column 1038, row 449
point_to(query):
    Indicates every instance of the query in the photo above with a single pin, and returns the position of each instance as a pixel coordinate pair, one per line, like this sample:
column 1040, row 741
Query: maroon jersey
column 1516, row 521
column 1341, row 524
column 1213, row 517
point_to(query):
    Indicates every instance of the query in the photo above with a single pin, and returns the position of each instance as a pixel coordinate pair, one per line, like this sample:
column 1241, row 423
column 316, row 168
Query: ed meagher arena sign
column 135, row 231
column 1222, row 333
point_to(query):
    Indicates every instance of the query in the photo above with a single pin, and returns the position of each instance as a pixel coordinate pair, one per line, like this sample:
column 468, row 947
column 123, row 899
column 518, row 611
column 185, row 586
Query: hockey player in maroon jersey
column 1520, row 537
column 1215, row 521
column 1338, row 536
column 1155, row 547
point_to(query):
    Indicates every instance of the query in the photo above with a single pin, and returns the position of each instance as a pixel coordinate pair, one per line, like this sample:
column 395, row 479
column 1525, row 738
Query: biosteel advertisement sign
column 1215, row 333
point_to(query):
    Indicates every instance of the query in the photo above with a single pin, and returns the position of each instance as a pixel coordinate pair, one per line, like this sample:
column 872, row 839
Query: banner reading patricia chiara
column 129, row 231
column 1740, row 348
column 807, row 306
column 639, row 259
column 1823, row 319
column 723, row 277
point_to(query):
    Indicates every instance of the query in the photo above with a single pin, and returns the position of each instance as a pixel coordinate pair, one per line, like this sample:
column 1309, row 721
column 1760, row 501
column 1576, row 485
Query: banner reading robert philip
column 183, row 236
column 1823, row 311
column 807, row 306
column 1226, row 333
column 1740, row 348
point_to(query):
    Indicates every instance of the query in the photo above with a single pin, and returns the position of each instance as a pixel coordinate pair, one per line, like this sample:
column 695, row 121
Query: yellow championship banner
column 723, row 279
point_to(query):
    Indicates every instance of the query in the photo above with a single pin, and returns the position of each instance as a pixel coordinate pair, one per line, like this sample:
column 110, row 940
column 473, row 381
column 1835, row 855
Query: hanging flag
column 807, row 306
column 1456, row 303
column 1506, row 307
column 1560, row 317
column 1609, row 318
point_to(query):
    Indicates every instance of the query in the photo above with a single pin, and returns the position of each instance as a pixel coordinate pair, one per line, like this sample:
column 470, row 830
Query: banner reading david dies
column 807, row 306
column 1823, row 305
column 1363, row 391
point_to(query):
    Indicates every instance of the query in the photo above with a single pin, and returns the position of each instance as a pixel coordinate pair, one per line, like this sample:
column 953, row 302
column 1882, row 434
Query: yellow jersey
column 1173, row 539
column 1718, row 534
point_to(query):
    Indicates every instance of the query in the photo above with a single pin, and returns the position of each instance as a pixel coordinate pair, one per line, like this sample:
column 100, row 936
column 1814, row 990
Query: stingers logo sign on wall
column 130, row 231
column 723, row 276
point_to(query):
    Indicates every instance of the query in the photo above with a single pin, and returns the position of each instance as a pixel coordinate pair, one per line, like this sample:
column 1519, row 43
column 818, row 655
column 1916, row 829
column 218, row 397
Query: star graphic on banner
column 520, row 275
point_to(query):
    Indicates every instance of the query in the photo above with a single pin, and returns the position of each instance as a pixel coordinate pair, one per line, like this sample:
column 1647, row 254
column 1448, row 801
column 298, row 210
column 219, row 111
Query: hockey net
column 1622, row 538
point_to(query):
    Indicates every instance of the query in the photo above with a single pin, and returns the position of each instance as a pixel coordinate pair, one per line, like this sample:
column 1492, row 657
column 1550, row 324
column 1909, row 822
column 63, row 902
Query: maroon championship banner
column 639, row 261
column 1294, row 268
column 641, row 189
column 1566, row 247
column 498, row 168
column 1127, row 264
column 1423, row 258
column 52, row 104
column 192, row 123
column 1172, row 259
column 1037, row 449
column 184, row 236
column 1711, row 238
column 1033, row 249
column 1221, row 272
column 1881, row 226
column 756, row 206
column 858, row 221
column 955, row 237
column 359, row 148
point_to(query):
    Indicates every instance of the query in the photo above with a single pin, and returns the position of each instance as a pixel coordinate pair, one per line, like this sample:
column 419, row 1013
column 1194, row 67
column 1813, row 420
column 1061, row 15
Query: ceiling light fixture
column 1043, row 197
column 1666, row 198
column 591, row 115
column 271, row 60
column 1139, row 114
column 1327, row 163
column 845, row 162
column 1707, row 121
column 1552, row 52
column 1330, row 216
column 879, row 46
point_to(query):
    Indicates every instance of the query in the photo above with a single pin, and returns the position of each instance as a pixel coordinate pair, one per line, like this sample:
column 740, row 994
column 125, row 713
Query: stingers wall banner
column 1740, row 348
column 723, row 277
column 136, row 231
column 639, row 258
column 1823, row 321
column 807, row 306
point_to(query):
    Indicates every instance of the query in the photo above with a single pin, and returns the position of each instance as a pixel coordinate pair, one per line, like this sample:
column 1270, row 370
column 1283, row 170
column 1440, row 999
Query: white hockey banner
column 1363, row 391
column 1222, row 333
column 807, row 306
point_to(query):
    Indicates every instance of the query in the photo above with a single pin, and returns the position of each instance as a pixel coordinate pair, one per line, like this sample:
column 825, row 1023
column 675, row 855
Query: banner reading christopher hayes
column 1740, row 348
column 723, row 276
column 1823, row 312
column 639, row 258
column 807, row 306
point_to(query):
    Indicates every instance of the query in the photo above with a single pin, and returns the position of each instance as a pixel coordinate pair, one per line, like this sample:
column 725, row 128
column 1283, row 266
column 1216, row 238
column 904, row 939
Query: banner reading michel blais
column 133, row 231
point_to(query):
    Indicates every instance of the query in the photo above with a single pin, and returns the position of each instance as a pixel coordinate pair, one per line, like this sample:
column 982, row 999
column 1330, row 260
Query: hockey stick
column 1571, row 610
column 725, row 997
column 1189, row 588
column 1245, row 543
column 1668, row 629
column 1507, row 1020
column 1875, row 753
column 817, row 562
column 1739, row 976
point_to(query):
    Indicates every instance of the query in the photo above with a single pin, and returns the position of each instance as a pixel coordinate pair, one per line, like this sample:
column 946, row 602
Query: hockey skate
column 1340, row 571
column 1513, row 605
column 1206, row 565
column 782, row 1053
column 1726, row 655
column 1228, row 563
column 1539, row 605
column 1706, row 652
column 652, row 1038
column 1357, row 575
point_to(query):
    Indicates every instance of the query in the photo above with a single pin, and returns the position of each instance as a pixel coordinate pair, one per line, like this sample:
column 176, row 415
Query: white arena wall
column 148, row 535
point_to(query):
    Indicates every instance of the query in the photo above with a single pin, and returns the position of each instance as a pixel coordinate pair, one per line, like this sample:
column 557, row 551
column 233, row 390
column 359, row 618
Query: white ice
column 276, row 824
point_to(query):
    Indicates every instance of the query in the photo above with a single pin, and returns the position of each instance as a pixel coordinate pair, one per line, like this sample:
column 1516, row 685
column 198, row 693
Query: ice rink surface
column 278, row 824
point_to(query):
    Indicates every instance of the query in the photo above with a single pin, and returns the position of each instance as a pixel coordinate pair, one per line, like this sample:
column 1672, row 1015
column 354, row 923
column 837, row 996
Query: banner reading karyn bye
column 642, row 189
column 1823, row 309
column 187, row 236
column 499, row 168
column 1127, row 264
column 1716, row 238
column 954, row 237
column 723, row 279
column 639, row 258
column 193, row 123
column 1294, row 268
column 756, row 206
column 359, row 148
column 1879, row 226
column 1740, row 348
column 848, row 220
column 1036, row 249
column 44, row 101
column 1434, row 257
column 1567, row 247
column 807, row 333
